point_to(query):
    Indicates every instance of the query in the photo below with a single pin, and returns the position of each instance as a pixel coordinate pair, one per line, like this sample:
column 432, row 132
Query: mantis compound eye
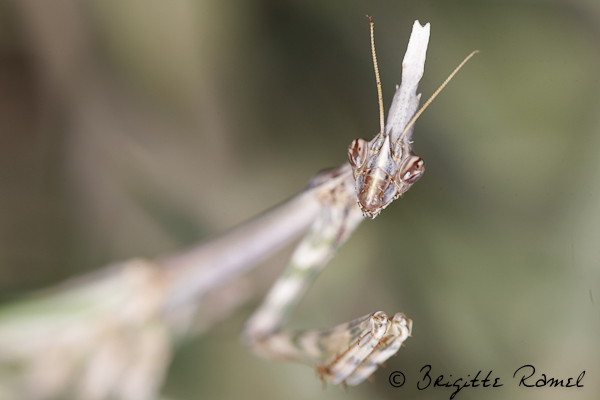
column 357, row 152
column 411, row 169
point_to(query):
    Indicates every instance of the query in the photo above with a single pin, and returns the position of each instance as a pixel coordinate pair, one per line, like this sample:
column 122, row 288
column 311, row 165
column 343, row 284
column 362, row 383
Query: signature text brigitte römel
column 524, row 376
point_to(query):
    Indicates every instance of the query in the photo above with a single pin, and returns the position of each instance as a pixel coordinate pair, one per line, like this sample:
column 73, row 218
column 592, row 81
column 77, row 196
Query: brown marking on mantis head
column 378, row 184
column 357, row 152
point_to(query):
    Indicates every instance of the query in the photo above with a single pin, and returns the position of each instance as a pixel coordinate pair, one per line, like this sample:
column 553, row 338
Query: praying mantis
column 379, row 172
column 110, row 335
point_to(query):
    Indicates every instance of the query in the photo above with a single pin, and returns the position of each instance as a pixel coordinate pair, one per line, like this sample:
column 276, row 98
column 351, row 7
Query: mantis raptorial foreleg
column 337, row 219
column 347, row 353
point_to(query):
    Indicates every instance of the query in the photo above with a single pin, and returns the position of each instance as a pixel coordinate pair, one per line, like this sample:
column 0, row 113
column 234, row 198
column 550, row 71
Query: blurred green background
column 137, row 128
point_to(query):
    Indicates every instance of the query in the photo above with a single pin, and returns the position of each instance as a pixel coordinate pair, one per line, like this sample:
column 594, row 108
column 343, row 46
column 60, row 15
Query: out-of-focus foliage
column 135, row 128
